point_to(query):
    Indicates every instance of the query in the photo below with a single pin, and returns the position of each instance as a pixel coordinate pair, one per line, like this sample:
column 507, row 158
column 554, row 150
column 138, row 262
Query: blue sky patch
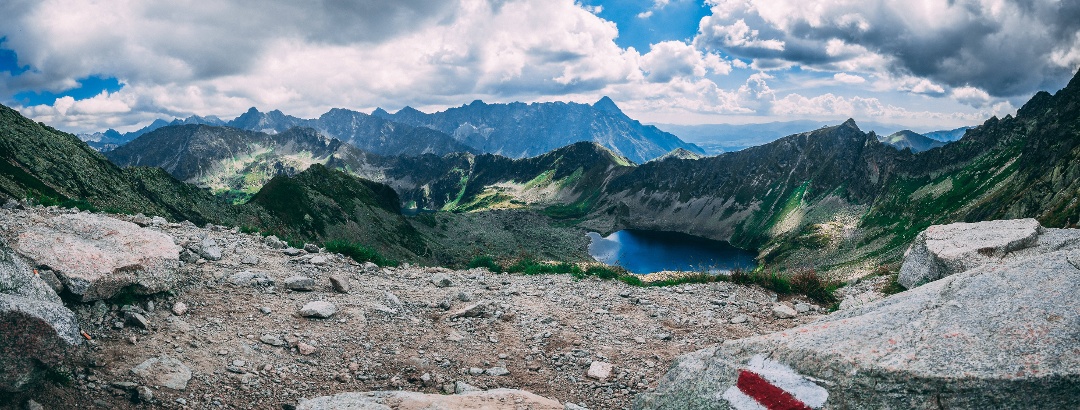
column 88, row 88
column 678, row 20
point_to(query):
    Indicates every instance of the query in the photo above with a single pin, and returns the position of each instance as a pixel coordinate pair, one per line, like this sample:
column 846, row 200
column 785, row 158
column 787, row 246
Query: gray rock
column 250, row 260
column 290, row 251
column 996, row 336
column 496, row 371
column 17, row 278
column 318, row 309
column 36, row 330
column 311, row 248
column 50, row 279
column 163, row 371
column 599, row 370
column 782, row 311
column 943, row 250
column 187, row 256
column 31, row 404
column 339, row 283
column 97, row 256
column 144, row 394
column 302, row 283
column 572, row 406
column 370, row 267
column 158, row 221
column 272, row 340
column 179, row 308
column 802, row 307
column 441, row 280
column 250, row 278
column 495, row 399
column 11, row 204
column 209, row 249
column 318, row 260
column 275, row 243
column 35, row 333
column 141, row 220
column 462, row 387
column 473, row 310
column 137, row 319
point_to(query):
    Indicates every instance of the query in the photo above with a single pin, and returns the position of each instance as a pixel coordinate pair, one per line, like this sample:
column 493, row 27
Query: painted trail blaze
column 769, row 385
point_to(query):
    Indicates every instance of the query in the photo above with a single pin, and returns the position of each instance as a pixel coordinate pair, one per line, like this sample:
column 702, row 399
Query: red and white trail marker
column 770, row 385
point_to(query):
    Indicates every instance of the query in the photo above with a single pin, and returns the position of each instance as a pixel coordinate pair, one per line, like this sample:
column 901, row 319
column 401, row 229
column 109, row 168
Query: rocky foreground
column 170, row 315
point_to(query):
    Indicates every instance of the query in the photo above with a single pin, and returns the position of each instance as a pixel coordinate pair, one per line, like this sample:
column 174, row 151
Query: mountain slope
column 519, row 130
column 837, row 199
column 907, row 139
column 226, row 159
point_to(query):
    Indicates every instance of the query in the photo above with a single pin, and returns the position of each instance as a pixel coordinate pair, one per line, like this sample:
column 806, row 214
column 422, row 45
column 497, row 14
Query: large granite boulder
column 497, row 399
column 1001, row 335
column 96, row 256
column 36, row 330
column 943, row 250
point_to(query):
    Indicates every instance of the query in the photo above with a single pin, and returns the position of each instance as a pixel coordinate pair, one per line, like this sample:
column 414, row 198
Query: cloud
column 848, row 78
column 177, row 58
column 971, row 96
column 669, row 59
column 1004, row 47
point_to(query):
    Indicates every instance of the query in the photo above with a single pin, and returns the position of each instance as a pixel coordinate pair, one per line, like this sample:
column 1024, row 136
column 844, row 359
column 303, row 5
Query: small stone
column 163, row 371
column 462, row 387
column 290, row 251
column 273, row 242
column 301, row 283
column 476, row 371
column 305, row 349
column 318, row 260
column 464, row 297
column 802, row 307
column 144, row 394
column 370, row 267
column 179, row 308
column 572, row 406
column 339, row 283
column 133, row 318
column 246, row 278
column 639, row 339
column 497, row 371
column 265, row 310
column 250, row 260
column 209, row 249
column 474, row 310
column 782, row 311
column 318, row 309
column 599, row 370
column 272, row 340
column 441, row 280
column 311, row 248
column 739, row 319
column 663, row 336
column 454, row 337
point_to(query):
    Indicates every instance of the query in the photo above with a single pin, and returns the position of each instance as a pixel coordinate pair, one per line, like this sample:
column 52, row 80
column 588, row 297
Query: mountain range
column 835, row 198
column 716, row 139
column 515, row 130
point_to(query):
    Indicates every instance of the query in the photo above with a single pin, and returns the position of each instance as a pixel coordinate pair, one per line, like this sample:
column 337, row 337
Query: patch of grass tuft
column 358, row 252
column 485, row 261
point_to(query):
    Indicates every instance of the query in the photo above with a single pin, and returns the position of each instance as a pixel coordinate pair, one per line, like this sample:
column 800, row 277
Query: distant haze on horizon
column 89, row 66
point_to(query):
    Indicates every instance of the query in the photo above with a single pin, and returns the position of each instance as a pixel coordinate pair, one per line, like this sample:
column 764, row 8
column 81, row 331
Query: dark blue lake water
column 652, row 251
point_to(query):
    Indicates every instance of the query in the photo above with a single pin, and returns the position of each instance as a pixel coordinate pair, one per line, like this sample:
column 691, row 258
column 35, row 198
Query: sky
column 85, row 66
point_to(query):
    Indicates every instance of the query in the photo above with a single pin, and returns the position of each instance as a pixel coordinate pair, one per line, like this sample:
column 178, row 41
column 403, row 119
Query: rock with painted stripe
column 1002, row 335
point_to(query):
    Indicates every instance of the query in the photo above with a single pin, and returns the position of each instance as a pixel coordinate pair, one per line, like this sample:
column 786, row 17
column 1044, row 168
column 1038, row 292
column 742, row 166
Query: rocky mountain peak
column 605, row 104
column 381, row 113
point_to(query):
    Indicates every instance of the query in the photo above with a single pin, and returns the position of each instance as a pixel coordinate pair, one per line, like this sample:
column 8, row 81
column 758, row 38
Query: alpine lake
column 642, row 252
